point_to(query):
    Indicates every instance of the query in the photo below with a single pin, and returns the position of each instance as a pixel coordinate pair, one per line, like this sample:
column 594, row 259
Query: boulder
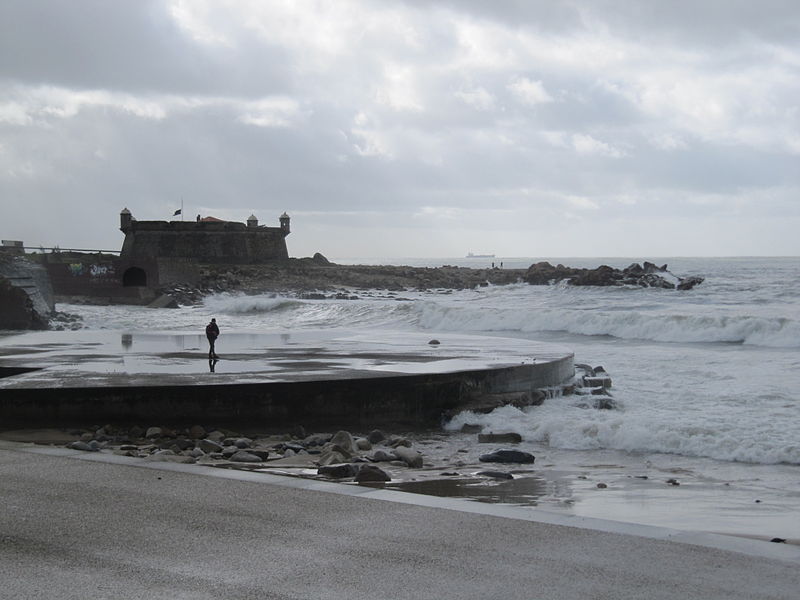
column 396, row 441
column 332, row 455
column 318, row 439
column 376, row 436
column 363, row 444
column 228, row 451
column 154, row 432
column 499, row 438
column 688, row 283
column 339, row 471
column 197, row 432
column 410, row 457
column 209, row 446
column 382, row 456
column 344, row 440
column 215, row 436
column 245, row 457
column 371, row 473
column 508, row 456
column 183, row 443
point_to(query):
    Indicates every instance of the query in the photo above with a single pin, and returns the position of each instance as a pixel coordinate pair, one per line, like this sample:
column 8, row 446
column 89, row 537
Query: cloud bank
column 412, row 128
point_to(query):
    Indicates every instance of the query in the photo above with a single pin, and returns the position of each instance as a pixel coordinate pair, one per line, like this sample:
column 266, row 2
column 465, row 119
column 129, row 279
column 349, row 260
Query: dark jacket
column 212, row 331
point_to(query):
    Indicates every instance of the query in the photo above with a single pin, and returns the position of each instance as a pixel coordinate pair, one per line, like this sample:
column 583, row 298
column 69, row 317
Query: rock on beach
column 508, row 456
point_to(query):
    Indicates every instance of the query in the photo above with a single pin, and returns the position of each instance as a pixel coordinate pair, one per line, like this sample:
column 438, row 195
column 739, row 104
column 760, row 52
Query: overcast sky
column 390, row 129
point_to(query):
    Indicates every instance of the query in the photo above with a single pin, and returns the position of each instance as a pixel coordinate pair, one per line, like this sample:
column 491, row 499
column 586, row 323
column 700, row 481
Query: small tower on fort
column 125, row 219
column 285, row 223
column 252, row 222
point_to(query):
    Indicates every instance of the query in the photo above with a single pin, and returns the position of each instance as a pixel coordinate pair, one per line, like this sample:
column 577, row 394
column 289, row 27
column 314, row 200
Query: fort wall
column 204, row 241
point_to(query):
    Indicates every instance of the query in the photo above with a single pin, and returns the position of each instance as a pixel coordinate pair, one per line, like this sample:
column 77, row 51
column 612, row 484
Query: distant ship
column 471, row 255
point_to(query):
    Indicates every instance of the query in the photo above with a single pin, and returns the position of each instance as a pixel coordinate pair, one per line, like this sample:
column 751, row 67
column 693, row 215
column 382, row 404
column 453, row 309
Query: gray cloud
column 409, row 128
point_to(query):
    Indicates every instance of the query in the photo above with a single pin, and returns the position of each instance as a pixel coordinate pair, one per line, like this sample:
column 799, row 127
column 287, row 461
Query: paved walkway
column 100, row 526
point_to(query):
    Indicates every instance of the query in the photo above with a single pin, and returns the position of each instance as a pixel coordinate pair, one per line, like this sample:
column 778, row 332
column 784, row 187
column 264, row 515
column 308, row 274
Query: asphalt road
column 74, row 527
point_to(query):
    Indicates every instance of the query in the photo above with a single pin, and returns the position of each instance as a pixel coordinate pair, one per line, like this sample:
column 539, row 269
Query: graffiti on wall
column 93, row 271
column 101, row 270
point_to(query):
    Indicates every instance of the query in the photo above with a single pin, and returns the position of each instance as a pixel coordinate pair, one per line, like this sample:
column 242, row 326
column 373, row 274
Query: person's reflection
column 127, row 341
column 212, row 362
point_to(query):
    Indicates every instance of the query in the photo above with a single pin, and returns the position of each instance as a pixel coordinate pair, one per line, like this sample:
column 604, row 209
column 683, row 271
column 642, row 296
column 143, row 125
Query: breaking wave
column 773, row 332
column 570, row 428
column 249, row 305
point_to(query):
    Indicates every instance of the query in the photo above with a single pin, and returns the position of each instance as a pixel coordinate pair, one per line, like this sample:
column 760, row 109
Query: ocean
column 706, row 381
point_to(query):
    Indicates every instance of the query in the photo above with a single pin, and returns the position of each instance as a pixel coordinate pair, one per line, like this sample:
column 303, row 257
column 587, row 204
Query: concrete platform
column 270, row 379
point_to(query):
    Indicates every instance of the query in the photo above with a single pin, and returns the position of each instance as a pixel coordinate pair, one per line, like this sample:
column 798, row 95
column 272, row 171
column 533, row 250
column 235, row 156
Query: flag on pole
column 176, row 213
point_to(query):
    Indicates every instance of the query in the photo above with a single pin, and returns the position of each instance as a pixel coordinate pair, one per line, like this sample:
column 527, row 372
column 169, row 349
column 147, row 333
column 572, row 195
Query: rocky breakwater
column 644, row 275
column 26, row 296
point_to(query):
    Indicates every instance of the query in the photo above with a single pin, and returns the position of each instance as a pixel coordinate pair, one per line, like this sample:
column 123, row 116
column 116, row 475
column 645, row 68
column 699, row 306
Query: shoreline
column 636, row 490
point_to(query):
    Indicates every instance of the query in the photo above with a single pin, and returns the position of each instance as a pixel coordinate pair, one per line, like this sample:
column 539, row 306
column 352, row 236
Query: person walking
column 212, row 333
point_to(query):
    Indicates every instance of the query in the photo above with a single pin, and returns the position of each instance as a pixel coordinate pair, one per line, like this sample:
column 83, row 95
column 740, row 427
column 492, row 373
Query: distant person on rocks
column 212, row 333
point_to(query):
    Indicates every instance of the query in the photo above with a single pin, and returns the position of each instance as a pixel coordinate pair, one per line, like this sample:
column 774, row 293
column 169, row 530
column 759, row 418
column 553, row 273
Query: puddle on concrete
column 11, row 371
column 523, row 491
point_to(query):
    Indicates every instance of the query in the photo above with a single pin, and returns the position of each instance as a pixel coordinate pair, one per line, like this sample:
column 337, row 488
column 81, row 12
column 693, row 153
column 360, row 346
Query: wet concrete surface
column 101, row 358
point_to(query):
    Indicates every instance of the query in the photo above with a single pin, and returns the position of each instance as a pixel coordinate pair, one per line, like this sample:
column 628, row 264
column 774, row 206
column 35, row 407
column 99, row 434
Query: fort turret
column 125, row 219
column 284, row 219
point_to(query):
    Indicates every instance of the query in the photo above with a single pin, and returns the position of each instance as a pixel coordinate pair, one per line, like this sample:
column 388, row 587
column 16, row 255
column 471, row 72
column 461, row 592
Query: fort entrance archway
column 134, row 277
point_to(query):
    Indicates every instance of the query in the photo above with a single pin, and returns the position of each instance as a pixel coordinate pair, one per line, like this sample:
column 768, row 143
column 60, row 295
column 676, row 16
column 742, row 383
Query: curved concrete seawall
column 314, row 378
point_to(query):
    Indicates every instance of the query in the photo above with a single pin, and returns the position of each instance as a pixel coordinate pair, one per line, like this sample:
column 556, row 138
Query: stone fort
column 156, row 254
column 206, row 240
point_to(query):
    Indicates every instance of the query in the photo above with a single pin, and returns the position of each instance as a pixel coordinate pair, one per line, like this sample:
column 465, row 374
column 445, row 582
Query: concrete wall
column 101, row 276
column 415, row 401
column 26, row 294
